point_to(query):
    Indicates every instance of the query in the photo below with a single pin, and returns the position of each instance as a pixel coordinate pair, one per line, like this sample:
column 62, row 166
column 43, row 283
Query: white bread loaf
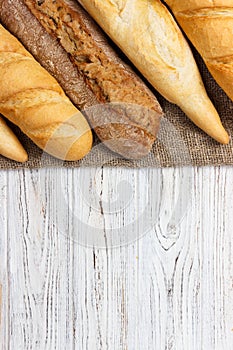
column 209, row 26
column 10, row 147
column 33, row 100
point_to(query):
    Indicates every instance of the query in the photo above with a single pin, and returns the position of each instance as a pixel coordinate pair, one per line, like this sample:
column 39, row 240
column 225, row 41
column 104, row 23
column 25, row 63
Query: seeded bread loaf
column 65, row 40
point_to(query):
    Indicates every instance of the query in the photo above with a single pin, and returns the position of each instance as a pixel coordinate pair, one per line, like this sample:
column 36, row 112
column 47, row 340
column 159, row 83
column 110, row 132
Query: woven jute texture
column 179, row 143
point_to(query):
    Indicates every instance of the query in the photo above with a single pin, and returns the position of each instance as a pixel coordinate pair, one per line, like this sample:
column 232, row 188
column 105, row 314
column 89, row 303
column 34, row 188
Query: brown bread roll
column 33, row 100
column 121, row 109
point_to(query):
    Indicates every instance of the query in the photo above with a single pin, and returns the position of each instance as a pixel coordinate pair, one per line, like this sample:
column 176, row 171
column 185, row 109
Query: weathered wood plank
column 4, row 280
column 111, row 259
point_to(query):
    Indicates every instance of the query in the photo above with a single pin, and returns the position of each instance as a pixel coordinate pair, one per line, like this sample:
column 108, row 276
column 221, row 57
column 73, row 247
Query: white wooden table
column 116, row 259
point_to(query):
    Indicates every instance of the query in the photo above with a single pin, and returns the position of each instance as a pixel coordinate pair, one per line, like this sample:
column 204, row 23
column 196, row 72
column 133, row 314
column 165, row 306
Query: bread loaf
column 209, row 26
column 122, row 110
column 147, row 33
column 33, row 100
column 10, row 147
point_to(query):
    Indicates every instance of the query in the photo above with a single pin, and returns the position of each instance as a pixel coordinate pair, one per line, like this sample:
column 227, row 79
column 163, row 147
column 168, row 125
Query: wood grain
column 0, row 305
column 117, row 259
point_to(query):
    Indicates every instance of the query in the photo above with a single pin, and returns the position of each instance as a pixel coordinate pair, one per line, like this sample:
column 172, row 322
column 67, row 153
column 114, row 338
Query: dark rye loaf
column 66, row 41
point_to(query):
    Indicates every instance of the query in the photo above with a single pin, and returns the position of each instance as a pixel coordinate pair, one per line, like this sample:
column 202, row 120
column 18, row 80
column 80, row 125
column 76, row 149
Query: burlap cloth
column 180, row 142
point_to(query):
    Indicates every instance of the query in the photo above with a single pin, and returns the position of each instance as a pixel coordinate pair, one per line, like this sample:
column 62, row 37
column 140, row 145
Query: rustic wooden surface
column 116, row 259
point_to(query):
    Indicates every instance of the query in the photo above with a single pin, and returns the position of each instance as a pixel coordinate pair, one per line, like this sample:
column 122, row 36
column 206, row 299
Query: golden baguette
column 32, row 99
column 10, row 147
column 147, row 33
column 209, row 26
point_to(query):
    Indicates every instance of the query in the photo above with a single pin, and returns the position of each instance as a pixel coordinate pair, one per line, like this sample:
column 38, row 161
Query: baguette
column 147, row 33
column 10, row 147
column 209, row 26
column 33, row 100
column 122, row 110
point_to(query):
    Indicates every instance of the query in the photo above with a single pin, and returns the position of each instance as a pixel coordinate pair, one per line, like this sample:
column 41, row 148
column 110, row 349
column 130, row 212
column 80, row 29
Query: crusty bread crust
column 147, row 33
column 125, row 126
column 10, row 147
column 209, row 26
column 33, row 100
